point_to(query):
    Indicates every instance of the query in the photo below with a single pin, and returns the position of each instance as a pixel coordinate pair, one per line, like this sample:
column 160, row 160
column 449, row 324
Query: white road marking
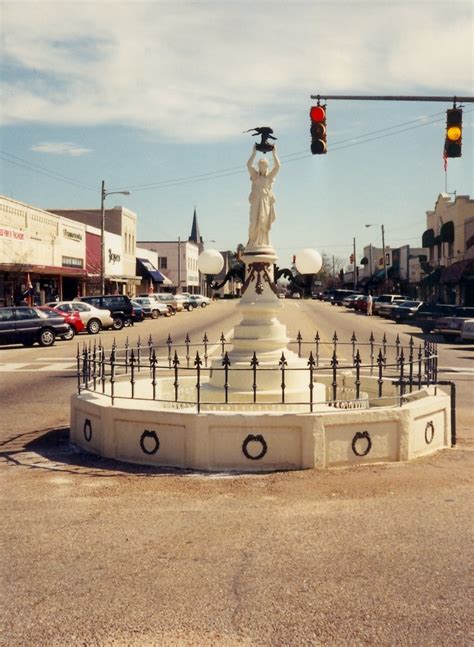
column 57, row 367
column 9, row 368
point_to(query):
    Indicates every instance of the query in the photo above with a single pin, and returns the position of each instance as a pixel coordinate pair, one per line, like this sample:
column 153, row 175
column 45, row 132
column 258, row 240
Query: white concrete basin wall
column 143, row 432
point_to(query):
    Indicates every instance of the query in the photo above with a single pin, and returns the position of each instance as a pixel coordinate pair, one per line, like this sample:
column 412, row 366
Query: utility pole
column 355, row 265
column 179, row 266
column 102, row 238
column 103, row 195
column 384, row 257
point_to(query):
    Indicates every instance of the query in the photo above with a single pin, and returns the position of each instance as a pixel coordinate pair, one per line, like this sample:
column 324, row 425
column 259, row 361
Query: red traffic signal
column 352, row 258
column 453, row 141
column 318, row 130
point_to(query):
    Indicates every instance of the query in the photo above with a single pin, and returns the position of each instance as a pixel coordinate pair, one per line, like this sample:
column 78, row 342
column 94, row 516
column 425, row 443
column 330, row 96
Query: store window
column 163, row 263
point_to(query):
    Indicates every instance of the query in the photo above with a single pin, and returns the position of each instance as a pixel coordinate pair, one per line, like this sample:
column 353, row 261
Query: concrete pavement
column 101, row 553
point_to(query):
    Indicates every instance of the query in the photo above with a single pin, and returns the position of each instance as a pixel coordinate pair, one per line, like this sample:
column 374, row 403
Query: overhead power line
column 36, row 168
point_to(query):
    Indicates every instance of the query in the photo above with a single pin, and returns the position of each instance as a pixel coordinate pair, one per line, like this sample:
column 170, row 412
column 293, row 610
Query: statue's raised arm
column 250, row 166
column 276, row 163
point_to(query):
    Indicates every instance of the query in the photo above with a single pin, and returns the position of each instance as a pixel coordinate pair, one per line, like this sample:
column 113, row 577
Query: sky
column 154, row 98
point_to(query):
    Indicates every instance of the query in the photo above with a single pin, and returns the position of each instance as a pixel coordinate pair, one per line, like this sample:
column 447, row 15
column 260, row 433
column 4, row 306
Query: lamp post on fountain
column 210, row 263
column 308, row 262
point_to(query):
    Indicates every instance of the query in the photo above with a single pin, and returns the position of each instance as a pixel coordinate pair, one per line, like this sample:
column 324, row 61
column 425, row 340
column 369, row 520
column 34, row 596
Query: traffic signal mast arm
column 453, row 138
column 365, row 97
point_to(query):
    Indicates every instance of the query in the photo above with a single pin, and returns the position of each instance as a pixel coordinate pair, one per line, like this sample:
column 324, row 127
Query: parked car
column 360, row 304
column 429, row 313
column 151, row 307
column 185, row 301
column 200, row 300
column 467, row 330
column 450, row 327
column 349, row 299
column 73, row 320
column 119, row 306
column 406, row 311
column 28, row 326
column 385, row 309
column 137, row 314
column 337, row 296
column 384, row 299
column 326, row 295
column 167, row 299
column 93, row 318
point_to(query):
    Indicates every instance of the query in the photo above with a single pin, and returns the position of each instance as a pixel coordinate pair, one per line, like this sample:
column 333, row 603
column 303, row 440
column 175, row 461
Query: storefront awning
column 44, row 270
column 379, row 275
column 455, row 272
column 433, row 277
column 150, row 271
column 447, row 232
column 427, row 239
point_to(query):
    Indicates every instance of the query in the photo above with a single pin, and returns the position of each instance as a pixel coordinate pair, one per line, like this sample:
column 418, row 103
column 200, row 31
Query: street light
column 210, row 263
column 103, row 195
column 383, row 247
column 308, row 262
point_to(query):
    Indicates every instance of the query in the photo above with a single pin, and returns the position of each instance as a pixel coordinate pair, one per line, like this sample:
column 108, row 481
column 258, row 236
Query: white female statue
column 261, row 198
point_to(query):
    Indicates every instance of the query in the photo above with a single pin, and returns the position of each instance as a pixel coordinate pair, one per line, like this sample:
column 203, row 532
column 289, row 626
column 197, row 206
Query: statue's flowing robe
column 262, row 209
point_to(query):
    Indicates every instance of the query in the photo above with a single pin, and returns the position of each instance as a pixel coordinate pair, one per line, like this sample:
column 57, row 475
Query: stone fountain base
column 259, row 437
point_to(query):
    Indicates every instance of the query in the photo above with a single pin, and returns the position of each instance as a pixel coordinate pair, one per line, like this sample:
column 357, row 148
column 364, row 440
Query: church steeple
column 195, row 234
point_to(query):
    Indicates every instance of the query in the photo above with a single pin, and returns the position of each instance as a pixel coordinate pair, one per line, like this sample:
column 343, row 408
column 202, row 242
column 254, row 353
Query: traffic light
column 318, row 130
column 452, row 144
column 352, row 258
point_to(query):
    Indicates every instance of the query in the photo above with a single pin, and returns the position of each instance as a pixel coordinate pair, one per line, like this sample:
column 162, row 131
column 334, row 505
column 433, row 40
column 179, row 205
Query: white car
column 200, row 300
column 94, row 319
column 152, row 308
column 467, row 330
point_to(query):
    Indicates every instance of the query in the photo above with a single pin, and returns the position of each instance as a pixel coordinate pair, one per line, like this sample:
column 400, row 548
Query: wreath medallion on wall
column 254, row 439
column 361, row 435
column 149, row 442
column 429, row 432
column 87, row 429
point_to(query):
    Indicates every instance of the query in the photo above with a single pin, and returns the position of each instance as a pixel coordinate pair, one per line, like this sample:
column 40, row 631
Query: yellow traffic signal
column 453, row 141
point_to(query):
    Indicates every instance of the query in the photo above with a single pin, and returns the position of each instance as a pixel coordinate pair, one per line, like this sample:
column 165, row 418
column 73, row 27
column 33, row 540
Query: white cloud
column 60, row 148
column 201, row 71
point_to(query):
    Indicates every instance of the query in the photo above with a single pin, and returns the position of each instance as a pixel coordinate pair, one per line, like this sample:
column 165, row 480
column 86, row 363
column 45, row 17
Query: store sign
column 12, row 234
column 113, row 258
column 72, row 235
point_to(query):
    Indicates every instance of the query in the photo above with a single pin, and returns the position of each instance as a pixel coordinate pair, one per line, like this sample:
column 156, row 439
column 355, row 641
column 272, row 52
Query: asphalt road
column 101, row 553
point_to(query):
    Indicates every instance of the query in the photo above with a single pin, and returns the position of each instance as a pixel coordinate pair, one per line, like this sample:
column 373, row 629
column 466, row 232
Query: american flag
column 29, row 284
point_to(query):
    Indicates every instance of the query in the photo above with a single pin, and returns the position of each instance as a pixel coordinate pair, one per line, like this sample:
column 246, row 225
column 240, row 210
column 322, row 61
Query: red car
column 73, row 319
column 361, row 305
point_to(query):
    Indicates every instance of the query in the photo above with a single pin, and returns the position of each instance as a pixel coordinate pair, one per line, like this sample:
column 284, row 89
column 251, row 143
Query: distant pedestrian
column 369, row 305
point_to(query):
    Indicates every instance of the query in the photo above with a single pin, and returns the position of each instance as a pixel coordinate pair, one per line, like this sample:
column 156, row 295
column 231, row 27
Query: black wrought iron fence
column 397, row 370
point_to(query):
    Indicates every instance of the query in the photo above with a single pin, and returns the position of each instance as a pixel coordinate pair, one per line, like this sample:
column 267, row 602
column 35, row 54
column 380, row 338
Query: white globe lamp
column 210, row 262
column 308, row 261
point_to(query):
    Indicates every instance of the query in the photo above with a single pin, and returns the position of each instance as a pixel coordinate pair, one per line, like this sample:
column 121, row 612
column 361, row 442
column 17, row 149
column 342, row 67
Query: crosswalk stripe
column 57, row 367
column 8, row 368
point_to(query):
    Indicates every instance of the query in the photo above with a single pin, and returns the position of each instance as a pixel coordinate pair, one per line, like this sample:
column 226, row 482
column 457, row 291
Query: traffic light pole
column 372, row 97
